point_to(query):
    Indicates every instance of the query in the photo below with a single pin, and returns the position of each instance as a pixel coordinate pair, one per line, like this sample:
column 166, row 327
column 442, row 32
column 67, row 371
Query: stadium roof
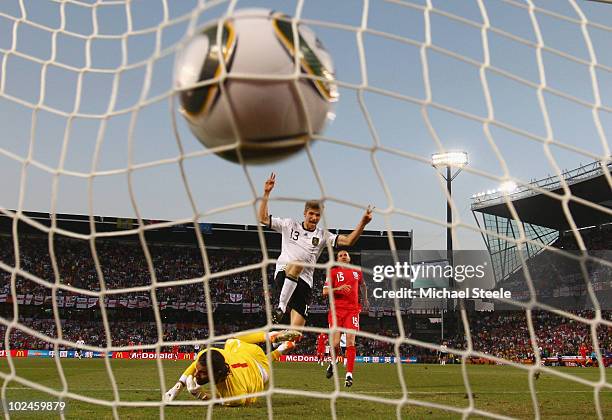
column 215, row 235
column 586, row 182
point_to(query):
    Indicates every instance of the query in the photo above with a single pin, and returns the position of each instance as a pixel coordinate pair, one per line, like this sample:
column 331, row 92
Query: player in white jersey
column 443, row 353
column 302, row 242
column 79, row 348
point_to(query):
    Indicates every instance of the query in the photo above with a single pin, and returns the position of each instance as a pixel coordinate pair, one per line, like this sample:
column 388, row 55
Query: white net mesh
column 89, row 127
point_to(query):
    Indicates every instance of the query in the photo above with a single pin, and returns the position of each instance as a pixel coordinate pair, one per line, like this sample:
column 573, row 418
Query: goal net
column 90, row 127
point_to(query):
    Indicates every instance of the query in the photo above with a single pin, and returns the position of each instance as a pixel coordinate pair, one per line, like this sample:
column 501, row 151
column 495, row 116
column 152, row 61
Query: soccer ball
column 262, row 104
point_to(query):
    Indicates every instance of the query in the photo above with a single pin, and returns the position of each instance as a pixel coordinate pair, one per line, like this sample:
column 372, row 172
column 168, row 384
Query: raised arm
column 264, row 216
column 351, row 238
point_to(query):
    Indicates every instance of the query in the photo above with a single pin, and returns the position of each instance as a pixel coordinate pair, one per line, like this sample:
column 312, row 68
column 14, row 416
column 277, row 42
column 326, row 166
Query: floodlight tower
column 445, row 163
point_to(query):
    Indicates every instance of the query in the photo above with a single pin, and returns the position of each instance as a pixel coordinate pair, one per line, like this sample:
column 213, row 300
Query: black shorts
column 300, row 300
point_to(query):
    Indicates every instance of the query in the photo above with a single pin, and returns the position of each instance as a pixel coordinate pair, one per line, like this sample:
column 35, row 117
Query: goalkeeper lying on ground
column 240, row 368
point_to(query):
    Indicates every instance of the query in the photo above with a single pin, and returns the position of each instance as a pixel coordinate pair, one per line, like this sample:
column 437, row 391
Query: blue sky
column 392, row 39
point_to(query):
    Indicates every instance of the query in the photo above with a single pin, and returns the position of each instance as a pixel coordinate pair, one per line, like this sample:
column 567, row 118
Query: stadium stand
column 501, row 334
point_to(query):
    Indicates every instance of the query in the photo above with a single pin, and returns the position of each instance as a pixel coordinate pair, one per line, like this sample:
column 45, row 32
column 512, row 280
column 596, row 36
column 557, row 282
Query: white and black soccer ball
column 261, row 85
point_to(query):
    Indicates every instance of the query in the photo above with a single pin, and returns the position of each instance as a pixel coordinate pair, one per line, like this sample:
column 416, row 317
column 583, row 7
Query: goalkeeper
column 239, row 368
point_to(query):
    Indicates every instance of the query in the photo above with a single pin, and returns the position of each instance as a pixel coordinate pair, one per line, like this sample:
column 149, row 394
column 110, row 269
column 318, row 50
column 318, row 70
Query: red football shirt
column 346, row 300
column 321, row 343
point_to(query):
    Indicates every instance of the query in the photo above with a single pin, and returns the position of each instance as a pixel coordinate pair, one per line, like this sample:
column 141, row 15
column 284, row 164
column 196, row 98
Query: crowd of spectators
column 123, row 265
column 127, row 333
column 506, row 334
column 500, row 334
column 122, row 333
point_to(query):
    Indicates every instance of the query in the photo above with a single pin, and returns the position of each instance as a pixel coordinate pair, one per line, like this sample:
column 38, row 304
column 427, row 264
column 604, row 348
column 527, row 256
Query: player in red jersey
column 345, row 284
column 583, row 354
column 175, row 352
column 321, row 344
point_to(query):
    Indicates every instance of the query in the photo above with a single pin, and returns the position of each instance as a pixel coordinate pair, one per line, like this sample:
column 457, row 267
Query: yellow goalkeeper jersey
column 245, row 376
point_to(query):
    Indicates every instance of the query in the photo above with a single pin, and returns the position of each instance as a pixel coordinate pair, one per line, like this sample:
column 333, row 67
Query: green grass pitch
column 498, row 389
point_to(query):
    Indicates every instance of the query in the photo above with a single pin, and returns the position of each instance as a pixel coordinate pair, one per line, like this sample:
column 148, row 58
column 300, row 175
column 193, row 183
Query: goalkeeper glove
column 173, row 392
column 195, row 389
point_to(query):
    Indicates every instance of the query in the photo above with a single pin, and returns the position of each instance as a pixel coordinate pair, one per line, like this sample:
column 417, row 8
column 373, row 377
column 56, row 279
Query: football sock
column 350, row 355
column 287, row 291
column 284, row 348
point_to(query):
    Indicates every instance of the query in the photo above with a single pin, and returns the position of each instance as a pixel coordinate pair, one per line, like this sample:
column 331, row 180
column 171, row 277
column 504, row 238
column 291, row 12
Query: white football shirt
column 299, row 244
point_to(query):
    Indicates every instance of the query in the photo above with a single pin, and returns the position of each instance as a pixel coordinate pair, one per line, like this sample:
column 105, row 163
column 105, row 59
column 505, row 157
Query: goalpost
column 82, row 81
